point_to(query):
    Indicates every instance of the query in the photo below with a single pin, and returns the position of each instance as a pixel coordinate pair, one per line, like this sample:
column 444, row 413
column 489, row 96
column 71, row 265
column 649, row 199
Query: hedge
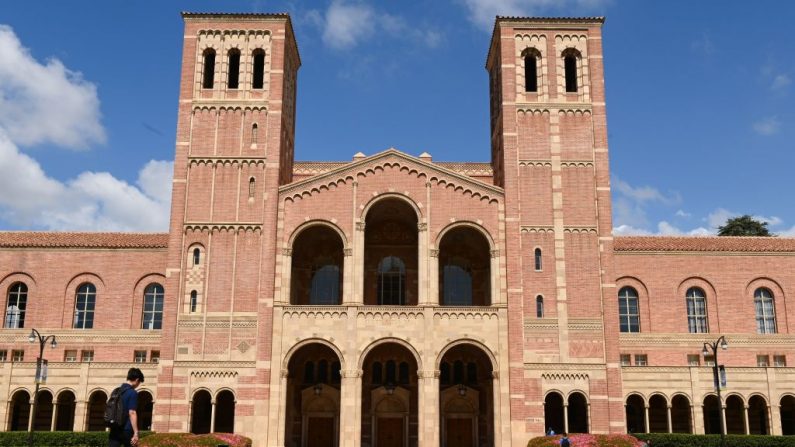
column 687, row 440
column 587, row 440
column 57, row 438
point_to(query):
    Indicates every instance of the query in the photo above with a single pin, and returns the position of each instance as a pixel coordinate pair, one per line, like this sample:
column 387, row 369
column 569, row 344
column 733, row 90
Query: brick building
column 392, row 299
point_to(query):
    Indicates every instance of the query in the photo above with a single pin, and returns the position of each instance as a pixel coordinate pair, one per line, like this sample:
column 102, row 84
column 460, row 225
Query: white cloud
column 483, row 12
column 767, row 126
column 45, row 102
column 683, row 214
column 348, row 23
column 644, row 193
column 780, row 82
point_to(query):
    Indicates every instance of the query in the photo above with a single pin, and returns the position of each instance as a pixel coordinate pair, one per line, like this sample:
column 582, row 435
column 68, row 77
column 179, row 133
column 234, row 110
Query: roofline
column 238, row 15
column 594, row 20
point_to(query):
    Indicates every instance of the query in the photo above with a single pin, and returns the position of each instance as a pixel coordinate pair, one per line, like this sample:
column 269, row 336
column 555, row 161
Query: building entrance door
column 389, row 432
column 320, row 432
column 459, row 432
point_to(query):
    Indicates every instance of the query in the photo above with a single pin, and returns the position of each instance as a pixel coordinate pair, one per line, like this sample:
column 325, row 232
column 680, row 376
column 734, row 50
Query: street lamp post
column 35, row 335
column 719, row 343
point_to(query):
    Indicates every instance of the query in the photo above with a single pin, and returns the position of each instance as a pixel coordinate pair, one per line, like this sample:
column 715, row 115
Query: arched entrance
column 757, row 416
column 735, row 415
column 553, row 412
column 145, row 408
column 389, row 397
column 95, row 419
column 787, row 404
column 390, row 254
column 316, row 276
column 65, row 411
column 224, row 412
column 19, row 413
column 42, row 420
column 578, row 413
column 201, row 408
column 681, row 420
column 464, row 268
column 465, row 397
column 711, row 415
column 313, row 397
column 636, row 414
column 658, row 414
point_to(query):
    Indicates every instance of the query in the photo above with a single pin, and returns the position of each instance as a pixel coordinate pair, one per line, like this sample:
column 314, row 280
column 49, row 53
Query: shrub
column 191, row 440
column 586, row 440
column 687, row 440
column 56, row 438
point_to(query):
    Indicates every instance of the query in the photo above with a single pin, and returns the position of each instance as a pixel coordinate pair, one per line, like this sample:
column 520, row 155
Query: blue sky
column 699, row 101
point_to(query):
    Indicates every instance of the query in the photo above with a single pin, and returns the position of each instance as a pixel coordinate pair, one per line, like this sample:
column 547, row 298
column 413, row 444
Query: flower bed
column 191, row 440
column 587, row 440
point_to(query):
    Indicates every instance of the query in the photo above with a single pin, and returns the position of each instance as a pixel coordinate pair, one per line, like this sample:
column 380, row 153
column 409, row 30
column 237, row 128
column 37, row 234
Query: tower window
column 531, row 72
column 259, row 69
column 197, row 256
column 251, row 187
column 254, row 129
column 194, row 301
column 539, row 306
column 233, row 75
column 570, row 68
column 208, row 77
column 537, row 259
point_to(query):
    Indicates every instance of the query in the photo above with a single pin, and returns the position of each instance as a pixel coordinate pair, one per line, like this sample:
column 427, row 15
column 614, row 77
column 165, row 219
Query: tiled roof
column 597, row 19
column 46, row 239
column 203, row 15
column 707, row 244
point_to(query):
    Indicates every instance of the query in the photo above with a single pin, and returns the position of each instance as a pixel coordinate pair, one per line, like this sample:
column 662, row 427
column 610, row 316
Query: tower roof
column 234, row 15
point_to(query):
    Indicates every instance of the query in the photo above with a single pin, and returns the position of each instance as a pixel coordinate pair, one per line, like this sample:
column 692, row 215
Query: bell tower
column 549, row 153
column 235, row 140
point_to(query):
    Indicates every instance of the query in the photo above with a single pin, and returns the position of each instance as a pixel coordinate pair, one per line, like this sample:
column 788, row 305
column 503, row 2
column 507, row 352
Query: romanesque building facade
column 394, row 300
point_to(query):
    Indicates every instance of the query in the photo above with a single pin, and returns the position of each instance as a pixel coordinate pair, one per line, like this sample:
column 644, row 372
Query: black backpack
column 115, row 416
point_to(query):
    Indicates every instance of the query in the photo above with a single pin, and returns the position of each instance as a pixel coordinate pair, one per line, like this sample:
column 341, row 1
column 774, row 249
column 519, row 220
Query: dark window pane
column 530, row 74
column 209, row 69
column 570, row 63
column 259, row 70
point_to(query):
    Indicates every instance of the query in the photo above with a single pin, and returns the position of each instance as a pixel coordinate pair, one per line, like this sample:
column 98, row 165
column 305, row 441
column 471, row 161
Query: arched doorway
column 757, row 416
column 578, row 413
column 95, row 419
column 224, row 412
column 466, row 397
column 19, row 413
column 145, row 408
column 390, row 254
column 464, row 268
column 787, row 404
column 65, row 411
column 42, row 420
column 735, row 415
column 681, row 420
column 313, row 397
column 553, row 412
column 636, row 414
column 658, row 414
column 389, row 397
column 711, row 415
column 201, row 408
column 316, row 276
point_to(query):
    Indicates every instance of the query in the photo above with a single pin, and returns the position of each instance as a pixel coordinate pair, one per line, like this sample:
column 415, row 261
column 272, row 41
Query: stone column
column 646, row 423
column 566, row 417
column 54, row 415
column 347, row 276
column 745, row 420
column 212, row 416
column 670, row 423
column 30, row 417
column 724, row 429
column 286, row 282
column 428, row 406
column 698, row 420
column 423, row 289
column 350, row 408
column 774, row 413
column 190, row 416
column 433, row 277
column 358, row 264
column 281, row 408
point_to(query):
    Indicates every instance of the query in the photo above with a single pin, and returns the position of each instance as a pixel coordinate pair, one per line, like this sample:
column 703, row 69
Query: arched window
column 325, row 288
column 539, row 306
column 391, row 372
column 403, row 373
column 458, row 371
column 391, row 279
column 457, row 283
column 537, row 259
column 85, row 301
column 233, row 73
column 696, row 311
column 197, row 256
column 153, row 307
column 472, row 372
column 444, row 373
column 194, row 301
column 17, row 303
column 765, row 311
column 208, row 75
column 628, row 314
column 377, row 373
column 259, row 69
column 254, row 130
column 322, row 371
column 531, row 59
column 309, row 372
column 570, row 68
column 252, row 187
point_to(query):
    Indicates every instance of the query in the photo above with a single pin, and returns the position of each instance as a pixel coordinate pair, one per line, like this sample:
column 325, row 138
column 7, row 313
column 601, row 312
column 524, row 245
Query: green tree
column 744, row 225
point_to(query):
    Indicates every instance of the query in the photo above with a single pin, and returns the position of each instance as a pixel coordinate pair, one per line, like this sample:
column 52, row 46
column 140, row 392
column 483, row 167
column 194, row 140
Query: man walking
column 127, row 435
